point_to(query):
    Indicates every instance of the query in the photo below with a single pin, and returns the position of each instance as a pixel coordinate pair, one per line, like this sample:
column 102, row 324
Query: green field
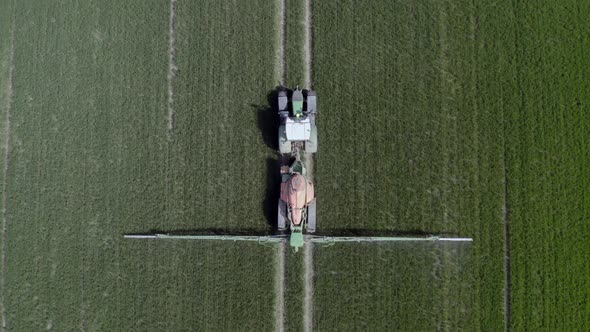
column 402, row 287
column 92, row 159
column 548, row 128
column 405, row 144
column 449, row 117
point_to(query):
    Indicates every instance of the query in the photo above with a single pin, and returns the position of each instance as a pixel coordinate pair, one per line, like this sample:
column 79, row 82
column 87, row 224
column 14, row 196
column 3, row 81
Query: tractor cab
column 297, row 121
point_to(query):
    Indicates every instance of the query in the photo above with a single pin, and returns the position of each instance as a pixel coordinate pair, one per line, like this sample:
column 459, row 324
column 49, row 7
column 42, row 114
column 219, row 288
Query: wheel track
column 308, row 44
column 308, row 250
column 280, row 74
column 7, row 134
column 309, row 289
column 171, row 64
column 280, row 56
column 281, row 271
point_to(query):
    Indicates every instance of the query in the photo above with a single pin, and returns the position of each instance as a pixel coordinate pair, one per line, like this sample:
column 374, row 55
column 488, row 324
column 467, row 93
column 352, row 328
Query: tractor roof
column 298, row 129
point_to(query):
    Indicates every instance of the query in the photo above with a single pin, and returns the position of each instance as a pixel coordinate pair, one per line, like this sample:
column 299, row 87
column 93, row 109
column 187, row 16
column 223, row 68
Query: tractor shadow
column 208, row 231
column 361, row 232
column 268, row 121
column 273, row 191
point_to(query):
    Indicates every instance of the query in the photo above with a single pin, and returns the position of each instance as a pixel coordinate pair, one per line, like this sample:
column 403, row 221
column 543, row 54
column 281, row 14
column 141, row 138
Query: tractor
column 298, row 130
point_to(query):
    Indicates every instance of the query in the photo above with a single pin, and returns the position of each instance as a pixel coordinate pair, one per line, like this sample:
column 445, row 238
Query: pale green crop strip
column 308, row 250
column 171, row 65
column 280, row 74
column 7, row 130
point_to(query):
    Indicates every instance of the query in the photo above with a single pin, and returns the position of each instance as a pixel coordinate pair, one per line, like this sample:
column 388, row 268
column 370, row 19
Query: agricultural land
column 452, row 117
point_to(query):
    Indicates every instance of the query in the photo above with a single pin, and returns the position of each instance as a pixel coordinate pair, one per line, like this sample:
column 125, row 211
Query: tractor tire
column 284, row 143
column 283, row 101
column 282, row 216
column 311, row 102
column 311, row 216
column 311, row 146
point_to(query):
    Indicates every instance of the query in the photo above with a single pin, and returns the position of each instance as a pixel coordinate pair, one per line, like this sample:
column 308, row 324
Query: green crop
column 92, row 159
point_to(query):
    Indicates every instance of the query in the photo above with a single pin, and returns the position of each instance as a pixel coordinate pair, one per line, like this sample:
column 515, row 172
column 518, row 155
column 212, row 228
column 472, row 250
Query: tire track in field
column 281, row 270
column 308, row 250
column 308, row 299
column 280, row 56
column 171, row 64
column 506, row 206
column 308, row 44
column 280, row 74
column 7, row 130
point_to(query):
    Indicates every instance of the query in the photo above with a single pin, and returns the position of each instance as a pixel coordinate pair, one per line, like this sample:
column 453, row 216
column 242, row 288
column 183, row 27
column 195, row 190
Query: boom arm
column 334, row 239
column 259, row 239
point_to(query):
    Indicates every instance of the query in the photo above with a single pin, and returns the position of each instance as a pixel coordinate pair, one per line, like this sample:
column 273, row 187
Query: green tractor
column 298, row 130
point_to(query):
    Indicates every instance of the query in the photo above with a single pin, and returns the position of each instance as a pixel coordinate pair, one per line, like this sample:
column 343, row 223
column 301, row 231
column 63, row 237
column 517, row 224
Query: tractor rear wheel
column 284, row 143
column 311, row 216
column 282, row 216
column 311, row 146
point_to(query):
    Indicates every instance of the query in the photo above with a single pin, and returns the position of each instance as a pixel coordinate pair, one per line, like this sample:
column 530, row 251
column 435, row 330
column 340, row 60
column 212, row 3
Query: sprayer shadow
column 268, row 125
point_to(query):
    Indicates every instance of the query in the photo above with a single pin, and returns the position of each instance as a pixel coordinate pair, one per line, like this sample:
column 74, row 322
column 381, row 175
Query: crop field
column 404, row 286
column 408, row 148
column 451, row 117
column 92, row 158
column 548, row 162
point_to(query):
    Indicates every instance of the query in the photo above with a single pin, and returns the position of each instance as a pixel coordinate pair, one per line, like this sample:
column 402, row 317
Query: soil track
column 7, row 131
column 281, row 270
column 281, row 72
column 308, row 45
column 308, row 250
column 507, row 262
column 171, row 64
column 308, row 300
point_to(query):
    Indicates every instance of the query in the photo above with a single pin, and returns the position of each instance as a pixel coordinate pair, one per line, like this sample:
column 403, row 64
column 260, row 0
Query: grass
column 92, row 159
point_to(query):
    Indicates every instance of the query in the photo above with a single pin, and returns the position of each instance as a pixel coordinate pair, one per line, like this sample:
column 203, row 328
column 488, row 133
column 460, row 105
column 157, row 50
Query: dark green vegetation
column 435, row 116
column 408, row 146
column 402, row 287
column 548, row 130
column 458, row 117
column 91, row 159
